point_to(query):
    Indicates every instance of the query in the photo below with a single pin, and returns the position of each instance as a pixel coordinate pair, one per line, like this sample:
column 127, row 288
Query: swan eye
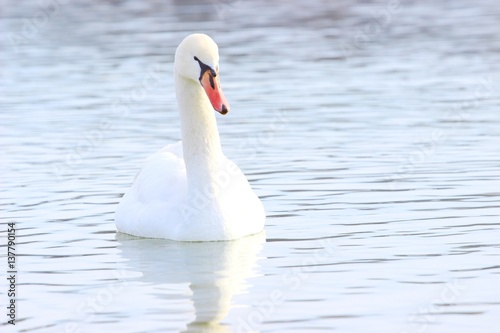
column 205, row 68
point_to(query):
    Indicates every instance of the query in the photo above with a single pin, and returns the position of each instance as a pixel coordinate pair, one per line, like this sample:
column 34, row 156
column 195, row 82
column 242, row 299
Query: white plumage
column 190, row 191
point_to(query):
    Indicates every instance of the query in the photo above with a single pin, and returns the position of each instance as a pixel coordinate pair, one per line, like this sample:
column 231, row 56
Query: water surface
column 370, row 133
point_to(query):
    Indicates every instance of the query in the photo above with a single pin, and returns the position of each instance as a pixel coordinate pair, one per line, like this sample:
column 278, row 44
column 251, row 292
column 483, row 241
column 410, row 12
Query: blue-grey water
column 370, row 129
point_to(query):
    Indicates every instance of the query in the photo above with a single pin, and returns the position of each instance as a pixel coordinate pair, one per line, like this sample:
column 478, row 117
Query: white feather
column 190, row 191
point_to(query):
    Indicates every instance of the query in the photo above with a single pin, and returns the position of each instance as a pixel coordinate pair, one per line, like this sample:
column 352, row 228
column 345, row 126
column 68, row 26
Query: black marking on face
column 203, row 69
column 211, row 79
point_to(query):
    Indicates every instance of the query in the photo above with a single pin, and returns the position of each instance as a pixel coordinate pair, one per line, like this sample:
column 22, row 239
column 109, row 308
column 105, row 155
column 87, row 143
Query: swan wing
column 151, row 205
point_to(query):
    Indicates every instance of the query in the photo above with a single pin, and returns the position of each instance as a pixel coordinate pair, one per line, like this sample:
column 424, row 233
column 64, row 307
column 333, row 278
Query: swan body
column 189, row 191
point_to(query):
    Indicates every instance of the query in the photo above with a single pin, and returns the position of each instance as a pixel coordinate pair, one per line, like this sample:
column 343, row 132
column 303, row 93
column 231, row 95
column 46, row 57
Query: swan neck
column 200, row 136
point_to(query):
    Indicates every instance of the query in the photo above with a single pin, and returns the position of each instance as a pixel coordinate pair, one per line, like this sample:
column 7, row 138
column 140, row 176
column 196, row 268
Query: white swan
column 189, row 191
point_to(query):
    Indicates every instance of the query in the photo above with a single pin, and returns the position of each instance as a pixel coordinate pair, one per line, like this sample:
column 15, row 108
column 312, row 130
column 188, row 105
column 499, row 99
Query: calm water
column 374, row 146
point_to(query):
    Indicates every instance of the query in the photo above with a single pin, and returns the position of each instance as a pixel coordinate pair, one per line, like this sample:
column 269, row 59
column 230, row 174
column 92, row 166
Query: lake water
column 369, row 129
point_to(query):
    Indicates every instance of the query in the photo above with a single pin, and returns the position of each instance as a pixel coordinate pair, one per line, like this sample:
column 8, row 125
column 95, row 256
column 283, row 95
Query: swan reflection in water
column 214, row 271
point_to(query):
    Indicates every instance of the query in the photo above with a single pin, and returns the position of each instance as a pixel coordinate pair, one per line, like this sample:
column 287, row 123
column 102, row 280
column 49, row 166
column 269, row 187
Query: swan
column 190, row 191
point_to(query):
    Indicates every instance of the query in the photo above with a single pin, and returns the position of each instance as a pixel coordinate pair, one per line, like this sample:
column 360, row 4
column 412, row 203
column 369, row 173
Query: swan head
column 197, row 59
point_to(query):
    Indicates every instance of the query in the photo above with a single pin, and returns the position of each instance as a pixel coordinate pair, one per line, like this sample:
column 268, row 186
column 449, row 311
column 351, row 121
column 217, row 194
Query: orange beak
column 210, row 82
